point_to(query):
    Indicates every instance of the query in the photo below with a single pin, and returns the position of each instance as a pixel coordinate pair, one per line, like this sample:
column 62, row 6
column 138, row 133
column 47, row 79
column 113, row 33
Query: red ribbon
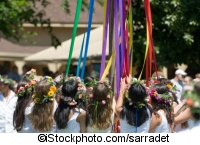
column 151, row 52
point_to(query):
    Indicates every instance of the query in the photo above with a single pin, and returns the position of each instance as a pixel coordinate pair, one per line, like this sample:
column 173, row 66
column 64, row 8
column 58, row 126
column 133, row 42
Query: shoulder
column 13, row 96
column 82, row 115
column 156, row 118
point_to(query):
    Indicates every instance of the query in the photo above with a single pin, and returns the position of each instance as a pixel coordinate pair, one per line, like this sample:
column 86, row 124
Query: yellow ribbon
column 105, row 73
column 131, row 39
column 147, row 47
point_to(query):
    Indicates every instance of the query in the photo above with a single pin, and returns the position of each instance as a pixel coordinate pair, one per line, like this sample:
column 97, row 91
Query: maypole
column 111, row 75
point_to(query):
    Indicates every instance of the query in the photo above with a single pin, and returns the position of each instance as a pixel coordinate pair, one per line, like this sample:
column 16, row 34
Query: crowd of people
column 67, row 104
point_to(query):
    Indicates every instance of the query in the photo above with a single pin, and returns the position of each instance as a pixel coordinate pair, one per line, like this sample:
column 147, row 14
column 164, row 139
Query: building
column 12, row 53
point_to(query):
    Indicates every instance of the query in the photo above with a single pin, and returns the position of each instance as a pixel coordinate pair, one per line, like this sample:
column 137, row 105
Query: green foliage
column 175, row 32
column 14, row 13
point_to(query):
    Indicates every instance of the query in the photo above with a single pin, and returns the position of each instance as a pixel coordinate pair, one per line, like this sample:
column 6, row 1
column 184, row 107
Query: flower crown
column 6, row 80
column 172, row 88
column 165, row 98
column 94, row 83
column 51, row 93
column 31, row 74
column 130, row 101
column 27, row 89
column 192, row 98
column 81, row 90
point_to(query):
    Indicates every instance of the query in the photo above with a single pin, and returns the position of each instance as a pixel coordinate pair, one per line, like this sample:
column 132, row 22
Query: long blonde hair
column 42, row 114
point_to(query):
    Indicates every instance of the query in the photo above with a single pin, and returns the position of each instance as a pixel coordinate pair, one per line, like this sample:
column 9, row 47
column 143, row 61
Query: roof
column 8, row 48
column 58, row 15
column 62, row 52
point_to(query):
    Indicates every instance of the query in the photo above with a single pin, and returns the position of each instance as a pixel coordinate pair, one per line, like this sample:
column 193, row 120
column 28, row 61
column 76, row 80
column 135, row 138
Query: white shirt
column 164, row 126
column 27, row 126
column 72, row 125
column 144, row 128
column 195, row 129
column 7, row 109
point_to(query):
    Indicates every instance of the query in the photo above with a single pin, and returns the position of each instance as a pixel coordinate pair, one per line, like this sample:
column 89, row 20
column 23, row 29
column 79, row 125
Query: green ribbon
column 76, row 20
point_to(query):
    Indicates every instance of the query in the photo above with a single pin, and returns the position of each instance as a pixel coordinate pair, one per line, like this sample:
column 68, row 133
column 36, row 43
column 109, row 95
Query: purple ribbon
column 103, row 57
column 117, row 47
column 122, row 27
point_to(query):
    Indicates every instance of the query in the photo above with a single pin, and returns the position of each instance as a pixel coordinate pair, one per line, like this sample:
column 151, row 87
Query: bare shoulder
column 81, row 116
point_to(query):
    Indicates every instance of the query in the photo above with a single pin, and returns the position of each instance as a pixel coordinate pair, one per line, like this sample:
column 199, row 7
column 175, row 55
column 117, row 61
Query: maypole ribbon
column 103, row 57
column 131, row 38
column 88, row 36
column 122, row 27
column 108, row 66
column 149, row 56
column 117, row 47
column 76, row 19
column 104, row 16
column 146, row 51
column 151, row 45
column 80, row 57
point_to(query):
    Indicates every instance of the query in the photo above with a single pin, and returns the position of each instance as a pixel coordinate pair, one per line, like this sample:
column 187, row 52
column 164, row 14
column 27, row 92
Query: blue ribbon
column 80, row 57
column 136, row 120
column 88, row 37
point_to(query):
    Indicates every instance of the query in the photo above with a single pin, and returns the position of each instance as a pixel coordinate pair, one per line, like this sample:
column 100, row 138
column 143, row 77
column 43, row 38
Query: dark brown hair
column 22, row 103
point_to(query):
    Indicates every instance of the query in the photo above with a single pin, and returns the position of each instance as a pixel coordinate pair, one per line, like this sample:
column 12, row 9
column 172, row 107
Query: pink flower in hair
column 91, row 88
column 108, row 96
column 80, row 96
column 101, row 81
column 78, row 79
column 91, row 95
column 26, row 86
column 29, row 72
column 21, row 88
column 103, row 102
column 33, row 70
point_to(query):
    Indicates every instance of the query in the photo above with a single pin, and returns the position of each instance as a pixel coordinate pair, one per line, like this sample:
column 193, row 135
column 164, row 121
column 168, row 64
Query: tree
column 14, row 13
column 175, row 32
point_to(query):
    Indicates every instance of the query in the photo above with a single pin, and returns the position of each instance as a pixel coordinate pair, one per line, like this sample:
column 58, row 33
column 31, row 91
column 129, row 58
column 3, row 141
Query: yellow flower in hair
column 48, row 77
column 50, row 93
column 53, row 88
column 37, row 100
column 154, row 93
column 33, row 96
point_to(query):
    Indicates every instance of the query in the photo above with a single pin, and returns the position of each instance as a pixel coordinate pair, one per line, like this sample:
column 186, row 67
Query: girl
column 68, row 116
column 161, row 100
column 132, row 108
column 193, row 101
column 183, row 118
column 24, row 105
column 7, row 105
column 100, row 108
column 45, row 105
